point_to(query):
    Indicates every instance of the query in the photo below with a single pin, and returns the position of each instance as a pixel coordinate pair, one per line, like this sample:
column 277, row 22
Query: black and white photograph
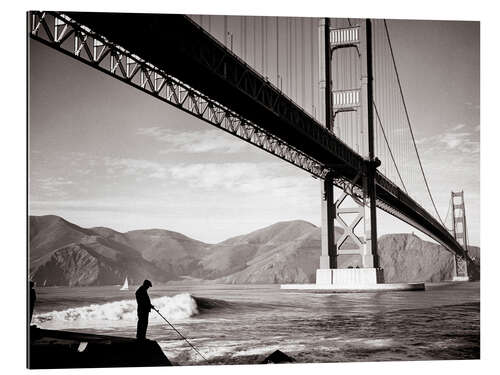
column 211, row 189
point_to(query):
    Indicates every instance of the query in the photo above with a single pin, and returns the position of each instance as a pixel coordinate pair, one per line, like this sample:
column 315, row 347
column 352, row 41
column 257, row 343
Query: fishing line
column 180, row 334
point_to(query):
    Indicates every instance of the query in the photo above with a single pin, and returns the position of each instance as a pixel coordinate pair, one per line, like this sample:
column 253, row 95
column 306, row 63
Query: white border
column 13, row 167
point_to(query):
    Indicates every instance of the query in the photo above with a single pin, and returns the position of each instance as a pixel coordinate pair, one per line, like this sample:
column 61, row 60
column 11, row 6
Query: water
column 237, row 324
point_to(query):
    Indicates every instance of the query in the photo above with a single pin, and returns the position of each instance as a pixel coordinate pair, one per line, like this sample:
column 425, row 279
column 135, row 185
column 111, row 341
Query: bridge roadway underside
column 184, row 50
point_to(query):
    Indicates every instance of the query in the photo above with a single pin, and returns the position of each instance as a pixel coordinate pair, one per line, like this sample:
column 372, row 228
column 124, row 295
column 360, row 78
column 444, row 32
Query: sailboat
column 125, row 284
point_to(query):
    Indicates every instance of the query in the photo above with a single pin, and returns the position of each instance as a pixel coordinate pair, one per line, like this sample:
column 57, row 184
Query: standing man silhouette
column 143, row 308
column 32, row 299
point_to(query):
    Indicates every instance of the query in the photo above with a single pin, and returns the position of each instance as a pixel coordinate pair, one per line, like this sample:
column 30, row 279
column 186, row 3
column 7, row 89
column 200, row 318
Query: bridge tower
column 360, row 204
column 459, row 231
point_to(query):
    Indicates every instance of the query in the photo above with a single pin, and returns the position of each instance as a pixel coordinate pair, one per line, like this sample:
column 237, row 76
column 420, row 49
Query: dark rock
column 61, row 349
column 278, row 357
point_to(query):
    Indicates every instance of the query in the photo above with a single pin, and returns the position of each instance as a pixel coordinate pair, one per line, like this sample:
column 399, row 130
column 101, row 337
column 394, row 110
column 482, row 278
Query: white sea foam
column 111, row 314
column 178, row 351
column 373, row 343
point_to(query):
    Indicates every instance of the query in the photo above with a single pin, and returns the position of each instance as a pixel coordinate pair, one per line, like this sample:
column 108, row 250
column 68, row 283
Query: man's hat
column 147, row 283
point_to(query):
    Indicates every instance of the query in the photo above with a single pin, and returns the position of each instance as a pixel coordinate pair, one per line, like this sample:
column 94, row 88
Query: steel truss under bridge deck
column 175, row 60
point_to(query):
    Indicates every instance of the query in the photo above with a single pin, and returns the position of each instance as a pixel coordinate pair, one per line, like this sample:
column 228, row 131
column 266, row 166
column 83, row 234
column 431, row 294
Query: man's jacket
column 143, row 301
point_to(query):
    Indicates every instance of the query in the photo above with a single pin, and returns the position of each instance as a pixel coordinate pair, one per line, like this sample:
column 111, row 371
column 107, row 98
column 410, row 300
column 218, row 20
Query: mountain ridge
column 63, row 253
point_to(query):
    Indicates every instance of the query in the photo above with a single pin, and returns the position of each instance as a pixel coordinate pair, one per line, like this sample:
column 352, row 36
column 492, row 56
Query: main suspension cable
column 409, row 123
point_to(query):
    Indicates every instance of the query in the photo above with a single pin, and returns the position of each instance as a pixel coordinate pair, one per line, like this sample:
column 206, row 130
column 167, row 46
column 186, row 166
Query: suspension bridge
column 322, row 94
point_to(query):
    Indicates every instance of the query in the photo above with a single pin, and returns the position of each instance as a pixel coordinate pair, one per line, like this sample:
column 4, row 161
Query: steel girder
column 183, row 65
column 185, row 51
column 64, row 34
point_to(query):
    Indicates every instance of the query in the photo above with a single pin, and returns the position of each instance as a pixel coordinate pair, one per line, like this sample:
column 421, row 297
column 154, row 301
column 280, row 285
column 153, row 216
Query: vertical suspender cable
column 240, row 50
column 225, row 31
column 303, row 66
column 287, row 56
column 254, row 24
column 262, row 20
column 380, row 80
column 312, row 69
column 291, row 62
column 295, row 60
column 289, row 33
column 277, row 53
column 290, row 58
column 375, row 83
column 266, row 53
column 245, row 38
column 409, row 123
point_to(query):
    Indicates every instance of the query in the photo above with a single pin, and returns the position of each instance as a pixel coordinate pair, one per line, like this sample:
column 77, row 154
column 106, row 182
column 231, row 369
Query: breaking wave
column 180, row 306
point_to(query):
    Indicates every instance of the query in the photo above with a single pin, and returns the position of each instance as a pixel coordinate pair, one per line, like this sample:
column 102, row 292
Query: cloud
column 134, row 167
column 51, row 183
column 233, row 176
column 453, row 140
column 450, row 161
column 242, row 177
column 118, row 203
column 472, row 105
column 457, row 127
column 84, row 164
column 210, row 140
column 463, row 142
column 53, row 186
column 422, row 140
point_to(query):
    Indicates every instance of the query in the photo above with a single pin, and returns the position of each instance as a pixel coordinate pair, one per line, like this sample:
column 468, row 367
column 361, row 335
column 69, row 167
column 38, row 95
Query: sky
column 102, row 153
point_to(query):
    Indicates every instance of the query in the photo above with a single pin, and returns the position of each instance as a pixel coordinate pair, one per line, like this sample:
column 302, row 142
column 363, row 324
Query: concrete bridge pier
column 329, row 272
column 329, row 277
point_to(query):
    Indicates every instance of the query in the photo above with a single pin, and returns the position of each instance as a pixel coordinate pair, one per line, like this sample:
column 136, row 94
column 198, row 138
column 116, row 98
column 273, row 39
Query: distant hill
column 171, row 251
column 50, row 232
column 279, row 260
column 79, row 264
column 404, row 257
column 242, row 252
column 63, row 253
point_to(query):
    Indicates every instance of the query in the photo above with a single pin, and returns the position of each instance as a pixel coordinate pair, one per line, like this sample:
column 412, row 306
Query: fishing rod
column 180, row 334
